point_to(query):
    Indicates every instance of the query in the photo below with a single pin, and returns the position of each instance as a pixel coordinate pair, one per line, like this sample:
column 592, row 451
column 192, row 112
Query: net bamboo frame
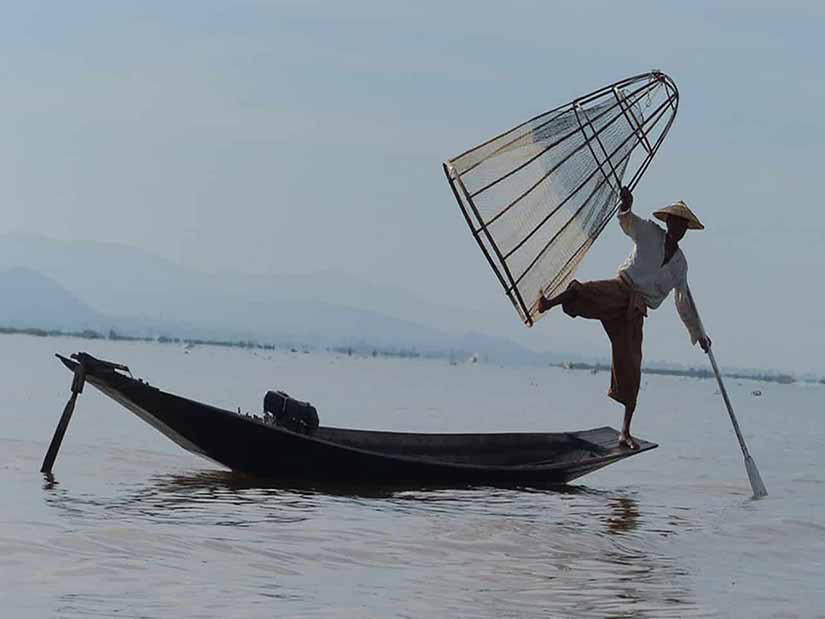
column 537, row 196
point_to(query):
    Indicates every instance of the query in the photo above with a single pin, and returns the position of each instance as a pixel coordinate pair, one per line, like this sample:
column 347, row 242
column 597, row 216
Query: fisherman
column 654, row 268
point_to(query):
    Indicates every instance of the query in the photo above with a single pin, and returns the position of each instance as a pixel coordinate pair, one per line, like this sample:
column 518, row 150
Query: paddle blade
column 757, row 484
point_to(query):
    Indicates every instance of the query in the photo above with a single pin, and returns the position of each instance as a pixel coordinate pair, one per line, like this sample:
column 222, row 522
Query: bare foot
column 625, row 440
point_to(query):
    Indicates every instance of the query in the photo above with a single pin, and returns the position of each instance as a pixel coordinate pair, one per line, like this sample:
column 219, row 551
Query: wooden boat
column 248, row 444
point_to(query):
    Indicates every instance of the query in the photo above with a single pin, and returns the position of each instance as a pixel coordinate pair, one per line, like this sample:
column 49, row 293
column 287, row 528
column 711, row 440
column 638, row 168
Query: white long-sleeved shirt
column 643, row 269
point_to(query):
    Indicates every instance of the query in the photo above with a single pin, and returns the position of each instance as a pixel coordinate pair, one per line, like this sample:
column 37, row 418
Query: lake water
column 133, row 526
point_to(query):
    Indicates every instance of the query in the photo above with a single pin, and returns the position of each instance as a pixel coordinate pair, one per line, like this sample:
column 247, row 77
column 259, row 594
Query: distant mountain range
column 75, row 285
column 28, row 298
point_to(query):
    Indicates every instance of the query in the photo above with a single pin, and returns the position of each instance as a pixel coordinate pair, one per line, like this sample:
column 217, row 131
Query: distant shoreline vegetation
column 361, row 350
column 768, row 377
column 365, row 350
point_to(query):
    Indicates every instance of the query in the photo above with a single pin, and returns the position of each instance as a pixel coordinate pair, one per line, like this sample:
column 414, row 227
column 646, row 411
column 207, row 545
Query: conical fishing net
column 538, row 196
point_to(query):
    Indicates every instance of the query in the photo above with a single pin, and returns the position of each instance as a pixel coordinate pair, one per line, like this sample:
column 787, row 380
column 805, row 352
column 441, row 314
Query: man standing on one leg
column 654, row 268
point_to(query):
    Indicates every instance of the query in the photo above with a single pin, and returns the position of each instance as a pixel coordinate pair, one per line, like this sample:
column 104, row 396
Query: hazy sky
column 289, row 137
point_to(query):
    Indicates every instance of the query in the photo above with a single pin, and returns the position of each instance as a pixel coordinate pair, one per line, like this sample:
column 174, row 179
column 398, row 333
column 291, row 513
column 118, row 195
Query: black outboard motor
column 290, row 413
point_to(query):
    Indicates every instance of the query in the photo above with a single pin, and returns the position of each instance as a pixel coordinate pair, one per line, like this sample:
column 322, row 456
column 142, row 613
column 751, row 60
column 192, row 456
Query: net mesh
column 537, row 196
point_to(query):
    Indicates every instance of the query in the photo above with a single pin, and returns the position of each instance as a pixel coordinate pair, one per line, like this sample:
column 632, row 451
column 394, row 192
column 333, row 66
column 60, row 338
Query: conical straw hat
column 680, row 209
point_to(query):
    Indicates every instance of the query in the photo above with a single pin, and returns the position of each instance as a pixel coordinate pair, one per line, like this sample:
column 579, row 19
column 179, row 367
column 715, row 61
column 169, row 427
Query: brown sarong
column 621, row 312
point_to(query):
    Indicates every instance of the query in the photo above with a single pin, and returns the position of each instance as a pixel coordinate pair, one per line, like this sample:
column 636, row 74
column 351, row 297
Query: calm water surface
column 133, row 526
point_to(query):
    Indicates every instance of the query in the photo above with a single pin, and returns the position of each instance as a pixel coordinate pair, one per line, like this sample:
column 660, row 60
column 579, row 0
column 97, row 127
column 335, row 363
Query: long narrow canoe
column 251, row 445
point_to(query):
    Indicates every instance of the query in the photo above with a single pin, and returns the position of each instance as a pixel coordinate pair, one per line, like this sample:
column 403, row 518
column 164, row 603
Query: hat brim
column 692, row 223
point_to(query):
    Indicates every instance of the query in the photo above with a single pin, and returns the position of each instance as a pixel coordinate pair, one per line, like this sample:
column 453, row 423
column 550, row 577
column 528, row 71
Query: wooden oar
column 757, row 485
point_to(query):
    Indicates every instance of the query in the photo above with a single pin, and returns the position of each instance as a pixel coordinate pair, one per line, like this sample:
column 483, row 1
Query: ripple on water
column 509, row 552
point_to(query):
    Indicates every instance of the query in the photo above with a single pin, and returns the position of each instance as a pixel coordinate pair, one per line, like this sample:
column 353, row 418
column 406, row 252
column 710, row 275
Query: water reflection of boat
column 248, row 444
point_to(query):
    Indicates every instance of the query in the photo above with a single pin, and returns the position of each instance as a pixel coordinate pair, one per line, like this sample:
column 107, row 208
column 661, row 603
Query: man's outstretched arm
column 687, row 312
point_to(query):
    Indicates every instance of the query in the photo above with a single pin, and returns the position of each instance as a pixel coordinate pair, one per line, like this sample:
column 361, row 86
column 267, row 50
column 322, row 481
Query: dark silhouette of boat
column 252, row 444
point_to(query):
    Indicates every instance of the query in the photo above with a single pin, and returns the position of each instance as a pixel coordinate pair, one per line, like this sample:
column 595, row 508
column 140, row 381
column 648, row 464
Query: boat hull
column 247, row 444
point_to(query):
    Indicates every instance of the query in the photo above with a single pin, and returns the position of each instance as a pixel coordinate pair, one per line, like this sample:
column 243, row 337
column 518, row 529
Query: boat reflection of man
column 654, row 268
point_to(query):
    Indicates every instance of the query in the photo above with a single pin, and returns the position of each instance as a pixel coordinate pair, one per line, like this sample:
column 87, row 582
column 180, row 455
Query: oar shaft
column 757, row 485
column 719, row 380
column 728, row 404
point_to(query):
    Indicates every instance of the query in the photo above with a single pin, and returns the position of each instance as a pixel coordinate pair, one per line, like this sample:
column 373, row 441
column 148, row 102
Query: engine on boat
column 290, row 413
